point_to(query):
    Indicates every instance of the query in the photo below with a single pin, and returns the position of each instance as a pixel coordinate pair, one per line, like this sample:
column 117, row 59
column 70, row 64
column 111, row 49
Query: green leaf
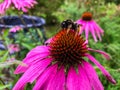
column 5, row 33
column 39, row 33
column 2, row 53
column 28, row 46
column 5, row 56
column 2, row 87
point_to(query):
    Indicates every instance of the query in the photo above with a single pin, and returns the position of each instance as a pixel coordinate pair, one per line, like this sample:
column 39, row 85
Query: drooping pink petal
column 37, row 54
column 99, row 35
column 58, row 81
column 87, row 31
column 107, row 56
column 92, row 31
column 32, row 73
column 98, row 27
column 92, row 76
column 98, row 32
column 77, row 80
column 94, row 28
column 105, row 73
column 43, row 80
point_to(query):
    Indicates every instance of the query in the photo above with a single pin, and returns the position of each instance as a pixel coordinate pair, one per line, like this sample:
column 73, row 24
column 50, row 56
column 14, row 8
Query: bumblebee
column 70, row 25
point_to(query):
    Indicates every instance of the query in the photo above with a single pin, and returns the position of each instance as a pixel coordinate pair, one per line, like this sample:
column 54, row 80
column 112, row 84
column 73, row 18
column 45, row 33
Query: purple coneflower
column 4, row 6
column 15, row 29
column 60, row 65
column 89, row 25
column 23, row 5
column 12, row 48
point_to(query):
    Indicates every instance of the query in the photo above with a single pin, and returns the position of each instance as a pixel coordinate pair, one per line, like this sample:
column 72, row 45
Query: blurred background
column 43, row 21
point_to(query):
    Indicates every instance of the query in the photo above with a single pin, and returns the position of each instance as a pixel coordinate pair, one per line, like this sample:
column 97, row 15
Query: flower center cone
column 87, row 16
column 68, row 48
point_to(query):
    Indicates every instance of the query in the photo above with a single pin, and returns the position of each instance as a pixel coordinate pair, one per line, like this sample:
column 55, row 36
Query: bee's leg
column 78, row 28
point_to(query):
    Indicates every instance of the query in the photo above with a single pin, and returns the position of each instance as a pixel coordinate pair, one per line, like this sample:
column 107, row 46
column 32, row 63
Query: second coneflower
column 90, row 26
column 60, row 65
column 23, row 5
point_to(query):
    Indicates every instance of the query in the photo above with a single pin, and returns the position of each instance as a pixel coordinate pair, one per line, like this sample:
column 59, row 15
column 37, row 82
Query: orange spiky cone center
column 87, row 16
column 68, row 48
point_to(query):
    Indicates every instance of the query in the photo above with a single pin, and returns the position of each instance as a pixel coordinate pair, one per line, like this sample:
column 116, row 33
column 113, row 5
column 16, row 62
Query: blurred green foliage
column 105, row 12
column 115, row 1
column 46, row 8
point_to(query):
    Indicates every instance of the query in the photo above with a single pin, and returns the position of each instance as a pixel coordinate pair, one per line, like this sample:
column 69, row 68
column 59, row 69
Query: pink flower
column 15, row 29
column 89, row 25
column 60, row 65
column 4, row 6
column 13, row 48
column 23, row 5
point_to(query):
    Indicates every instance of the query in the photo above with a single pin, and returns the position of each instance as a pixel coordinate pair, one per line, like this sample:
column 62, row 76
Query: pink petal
column 98, row 27
column 24, row 9
column 44, row 79
column 15, row 29
column 73, row 82
column 77, row 80
column 97, row 32
column 107, row 56
column 37, row 54
column 87, row 31
column 15, row 2
column 92, row 76
column 79, row 21
column 8, row 3
column 58, row 81
column 85, row 43
column 4, row 4
column 38, row 49
column 105, row 73
column 24, row 5
column 92, row 31
column 48, row 41
column 32, row 73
